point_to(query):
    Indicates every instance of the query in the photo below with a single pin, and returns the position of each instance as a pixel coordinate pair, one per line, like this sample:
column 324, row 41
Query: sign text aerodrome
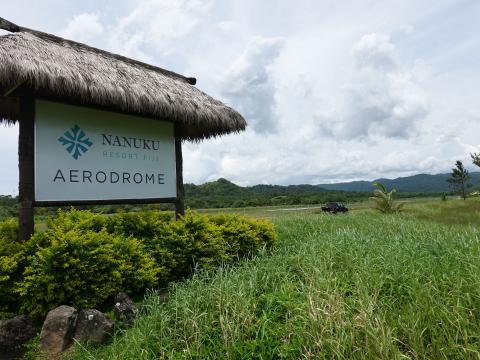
column 112, row 177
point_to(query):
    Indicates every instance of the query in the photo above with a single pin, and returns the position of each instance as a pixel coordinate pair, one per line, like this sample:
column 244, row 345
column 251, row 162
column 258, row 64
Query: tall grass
column 360, row 286
column 450, row 212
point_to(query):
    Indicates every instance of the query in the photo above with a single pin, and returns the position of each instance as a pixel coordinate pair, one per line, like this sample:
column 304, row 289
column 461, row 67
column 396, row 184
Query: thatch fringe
column 63, row 70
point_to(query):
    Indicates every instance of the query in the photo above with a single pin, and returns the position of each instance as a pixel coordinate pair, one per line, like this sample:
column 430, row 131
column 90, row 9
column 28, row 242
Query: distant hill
column 416, row 183
column 223, row 187
column 223, row 193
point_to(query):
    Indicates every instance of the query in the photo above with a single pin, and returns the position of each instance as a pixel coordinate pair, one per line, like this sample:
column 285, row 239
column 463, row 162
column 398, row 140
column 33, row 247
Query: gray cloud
column 383, row 98
column 250, row 87
column 375, row 51
column 84, row 28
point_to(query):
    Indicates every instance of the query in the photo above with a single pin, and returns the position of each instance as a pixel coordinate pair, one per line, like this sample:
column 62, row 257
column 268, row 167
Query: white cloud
column 375, row 51
column 157, row 25
column 383, row 98
column 250, row 87
column 84, row 28
column 465, row 148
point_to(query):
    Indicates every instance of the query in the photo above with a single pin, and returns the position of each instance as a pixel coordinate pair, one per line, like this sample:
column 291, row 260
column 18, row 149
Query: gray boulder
column 93, row 326
column 58, row 329
column 124, row 309
column 14, row 333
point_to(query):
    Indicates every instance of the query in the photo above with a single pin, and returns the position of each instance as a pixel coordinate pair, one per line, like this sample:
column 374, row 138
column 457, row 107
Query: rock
column 14, row 333
column 124, row 309
column 93, row 326
column 58, row 329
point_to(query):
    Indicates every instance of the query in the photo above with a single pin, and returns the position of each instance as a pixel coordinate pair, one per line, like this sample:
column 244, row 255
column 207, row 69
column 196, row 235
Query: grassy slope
column 355, row 286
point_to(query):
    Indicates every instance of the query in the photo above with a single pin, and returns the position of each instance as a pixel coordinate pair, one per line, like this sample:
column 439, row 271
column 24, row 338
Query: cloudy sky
column 332, row 90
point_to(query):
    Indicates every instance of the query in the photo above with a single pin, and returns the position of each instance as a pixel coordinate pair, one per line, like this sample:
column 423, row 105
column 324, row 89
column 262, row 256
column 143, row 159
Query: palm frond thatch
column 64, row 70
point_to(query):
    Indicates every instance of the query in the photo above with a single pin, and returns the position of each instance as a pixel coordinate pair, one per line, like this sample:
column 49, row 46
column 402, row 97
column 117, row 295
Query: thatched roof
column 64, row 70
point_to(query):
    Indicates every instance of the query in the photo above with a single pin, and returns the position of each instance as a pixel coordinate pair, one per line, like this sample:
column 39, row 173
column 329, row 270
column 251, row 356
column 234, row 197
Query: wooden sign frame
column 22, row 103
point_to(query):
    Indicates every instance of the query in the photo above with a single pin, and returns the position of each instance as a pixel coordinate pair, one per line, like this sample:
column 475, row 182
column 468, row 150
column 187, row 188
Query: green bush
column 9, row 231
column 81, row 268
column 180, row 246
column 141, row 225
column 81, row 220
column 244, row 236
column 12, row 259
column 83, row 258
column 196, row 240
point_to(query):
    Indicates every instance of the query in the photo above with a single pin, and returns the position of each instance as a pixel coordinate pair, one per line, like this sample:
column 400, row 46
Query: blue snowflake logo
column 76, row 142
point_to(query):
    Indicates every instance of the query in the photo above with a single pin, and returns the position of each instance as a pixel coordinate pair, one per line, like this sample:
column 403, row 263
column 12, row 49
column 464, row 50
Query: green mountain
column 223, row 193
column 424, row 183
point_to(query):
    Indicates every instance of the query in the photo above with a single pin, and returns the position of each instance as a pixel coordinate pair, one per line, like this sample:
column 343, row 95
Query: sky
column 332, row 90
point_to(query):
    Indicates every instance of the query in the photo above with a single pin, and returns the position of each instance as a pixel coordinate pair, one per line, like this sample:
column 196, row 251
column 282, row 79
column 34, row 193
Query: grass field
column 355, row 286
column 429, row 208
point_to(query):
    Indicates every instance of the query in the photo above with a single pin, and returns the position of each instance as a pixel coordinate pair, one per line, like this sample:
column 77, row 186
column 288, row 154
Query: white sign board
column 88, row 154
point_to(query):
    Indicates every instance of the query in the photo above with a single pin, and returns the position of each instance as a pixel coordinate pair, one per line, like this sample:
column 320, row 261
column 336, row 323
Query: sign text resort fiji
column 83, row 154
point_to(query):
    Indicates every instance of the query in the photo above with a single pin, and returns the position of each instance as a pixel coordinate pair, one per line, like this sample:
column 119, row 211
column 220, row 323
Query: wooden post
column 179, row 203
column 26, row 196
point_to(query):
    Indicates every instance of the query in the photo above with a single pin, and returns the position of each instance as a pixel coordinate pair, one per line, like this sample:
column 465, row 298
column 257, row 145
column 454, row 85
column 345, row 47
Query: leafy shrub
column 81, row 268
column 141, row 225
column 179, row 246
column 197, row 240
column 9, row 231
column 83, row 258
column 81, row 220
column 11, row 266
column 244, row 236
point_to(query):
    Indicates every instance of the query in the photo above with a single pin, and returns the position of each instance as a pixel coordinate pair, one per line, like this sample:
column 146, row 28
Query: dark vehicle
column 334, row 207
